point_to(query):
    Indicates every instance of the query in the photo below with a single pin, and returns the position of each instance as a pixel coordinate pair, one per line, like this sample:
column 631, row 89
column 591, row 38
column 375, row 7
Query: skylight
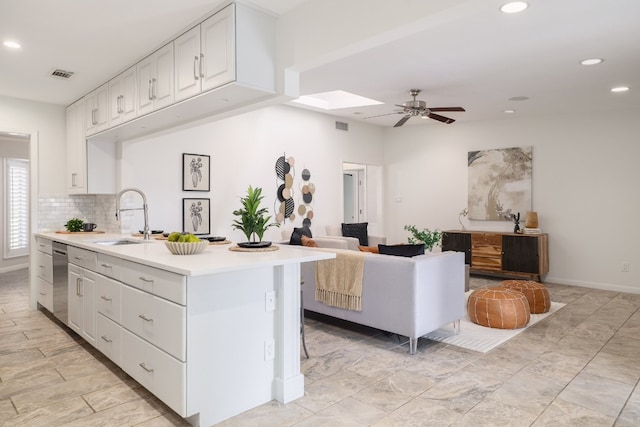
column 335, row 100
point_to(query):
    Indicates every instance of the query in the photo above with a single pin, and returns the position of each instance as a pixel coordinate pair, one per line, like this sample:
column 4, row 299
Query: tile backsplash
column 55, row 210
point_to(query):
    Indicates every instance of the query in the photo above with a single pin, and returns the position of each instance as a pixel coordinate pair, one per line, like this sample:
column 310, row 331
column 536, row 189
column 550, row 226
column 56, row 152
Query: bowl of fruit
column 185, row 244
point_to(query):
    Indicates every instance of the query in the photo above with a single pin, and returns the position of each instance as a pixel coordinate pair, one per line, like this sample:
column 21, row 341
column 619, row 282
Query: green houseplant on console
column 253, row 222
column 426, row 236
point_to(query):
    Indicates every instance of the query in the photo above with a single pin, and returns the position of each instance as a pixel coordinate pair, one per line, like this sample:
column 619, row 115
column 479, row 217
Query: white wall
column 243, row 152
column 48, row 121
column 585, row 179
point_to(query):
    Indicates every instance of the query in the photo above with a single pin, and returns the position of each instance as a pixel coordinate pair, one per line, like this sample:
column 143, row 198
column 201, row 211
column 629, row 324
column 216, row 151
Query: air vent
column 342, row 126
column 61, row 74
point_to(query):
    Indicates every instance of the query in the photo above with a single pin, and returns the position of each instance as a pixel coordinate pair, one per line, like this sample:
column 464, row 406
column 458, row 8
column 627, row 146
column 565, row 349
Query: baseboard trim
column 593, row 285
column 13, row 268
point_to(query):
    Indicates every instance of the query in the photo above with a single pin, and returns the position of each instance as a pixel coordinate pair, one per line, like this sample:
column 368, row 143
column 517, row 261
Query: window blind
column 17, row 208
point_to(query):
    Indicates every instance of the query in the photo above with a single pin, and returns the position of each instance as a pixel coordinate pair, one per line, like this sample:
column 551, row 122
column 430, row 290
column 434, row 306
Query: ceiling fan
column 417, row 108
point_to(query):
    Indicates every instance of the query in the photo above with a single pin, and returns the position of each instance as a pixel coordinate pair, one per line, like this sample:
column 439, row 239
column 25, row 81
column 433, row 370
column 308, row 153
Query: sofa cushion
column 357, row 230
column 372, row 249
column 308, row 241
column 402, row 250
column 296, row 236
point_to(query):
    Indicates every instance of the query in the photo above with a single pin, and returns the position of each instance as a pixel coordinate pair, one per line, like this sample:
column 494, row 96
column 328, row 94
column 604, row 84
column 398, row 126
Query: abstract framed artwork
column 196, row 216
column 196, row 172
column 499, row 183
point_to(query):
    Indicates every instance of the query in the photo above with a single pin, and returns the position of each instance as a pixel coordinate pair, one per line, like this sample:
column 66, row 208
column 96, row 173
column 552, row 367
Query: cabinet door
column 145, row 71
column 459, row 242
column 90, row 108
column 76, row 149
column 164, row 82
column 187, row 64
column 116, row 93
column 130, row 94
column 88, row 295
column 75, row 299
column 520, row 254
column 102, row 108
column 218, row 48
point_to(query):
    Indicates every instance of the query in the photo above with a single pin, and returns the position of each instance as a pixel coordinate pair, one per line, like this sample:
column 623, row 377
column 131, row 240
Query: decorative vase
column 531, row 220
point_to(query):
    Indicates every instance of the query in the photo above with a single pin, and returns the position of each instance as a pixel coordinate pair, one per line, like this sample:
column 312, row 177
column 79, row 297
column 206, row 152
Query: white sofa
column 405, row 296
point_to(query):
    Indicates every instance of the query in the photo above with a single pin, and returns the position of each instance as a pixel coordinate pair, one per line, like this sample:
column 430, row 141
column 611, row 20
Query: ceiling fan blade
column 402, row 121
column 447, row 109
column 387, row 114
column 440, row 118
column 401, row 106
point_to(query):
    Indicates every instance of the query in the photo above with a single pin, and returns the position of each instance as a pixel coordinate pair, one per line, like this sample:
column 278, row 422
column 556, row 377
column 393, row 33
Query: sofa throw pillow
column 371, row 249
column 402, row 250
column 308, row 241
column 357, row 230
column 296, row 236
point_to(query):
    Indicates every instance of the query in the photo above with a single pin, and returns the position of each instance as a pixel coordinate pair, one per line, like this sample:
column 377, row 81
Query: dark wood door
column 459, row 242
column 520, row 253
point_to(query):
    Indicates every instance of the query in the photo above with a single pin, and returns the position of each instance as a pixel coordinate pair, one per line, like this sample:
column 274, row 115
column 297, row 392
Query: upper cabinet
column 76, row 149
column 97, row 110
column 225, row 63
column 155, row 80
column 122, row 97
column 204, row 55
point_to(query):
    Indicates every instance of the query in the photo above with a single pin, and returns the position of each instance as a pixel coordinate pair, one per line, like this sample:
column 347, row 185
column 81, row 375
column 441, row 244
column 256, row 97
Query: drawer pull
column 143, row 366
column 106, row 265
column 106, row 338
column 145, row 318
column 42, row 293
column 105, row 298
column 144, row 279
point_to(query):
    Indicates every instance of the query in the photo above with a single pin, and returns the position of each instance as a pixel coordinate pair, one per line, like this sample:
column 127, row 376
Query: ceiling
column 477, row 59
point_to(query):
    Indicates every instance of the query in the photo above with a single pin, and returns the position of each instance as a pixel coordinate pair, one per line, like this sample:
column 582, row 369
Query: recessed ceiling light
column 514, row 7
column 509, row 111
column 518, row 98
column 620, row 89
column 591, row 61
column 11, row 44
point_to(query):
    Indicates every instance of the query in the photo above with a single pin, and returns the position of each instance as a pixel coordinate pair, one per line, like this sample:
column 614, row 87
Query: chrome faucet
column 146, row 233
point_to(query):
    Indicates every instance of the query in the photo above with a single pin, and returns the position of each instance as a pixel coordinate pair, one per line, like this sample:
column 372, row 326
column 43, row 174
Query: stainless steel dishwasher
column 60, row 280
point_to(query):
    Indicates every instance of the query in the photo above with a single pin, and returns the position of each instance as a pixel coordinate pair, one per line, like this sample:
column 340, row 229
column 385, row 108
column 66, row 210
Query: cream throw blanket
column 339, row 280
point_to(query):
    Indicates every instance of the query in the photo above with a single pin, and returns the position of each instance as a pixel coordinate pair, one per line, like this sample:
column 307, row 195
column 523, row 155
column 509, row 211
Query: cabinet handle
column 150, row 91
column 106, row 338
column 145, row 318
column 153, row 88
column 78, row 287
column 144, row 279
column 143, row 366
column 42, row 293
column 106, row 265
column 73, row 179
column 202, row 65
column 105, row 298
column 196, row 67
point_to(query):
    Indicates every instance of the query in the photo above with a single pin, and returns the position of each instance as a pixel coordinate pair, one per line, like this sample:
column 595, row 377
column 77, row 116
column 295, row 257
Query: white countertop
column 214, row 259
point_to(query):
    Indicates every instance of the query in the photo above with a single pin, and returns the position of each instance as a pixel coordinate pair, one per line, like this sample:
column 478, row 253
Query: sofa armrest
column 350, row 243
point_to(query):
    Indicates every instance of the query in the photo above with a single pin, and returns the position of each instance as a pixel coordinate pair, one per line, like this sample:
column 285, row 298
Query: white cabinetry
column 96, row 106
column 44, row 265
column 204, row 55
column 76, row 149
column 122, row 97
column 155, row 80
column 82, row 312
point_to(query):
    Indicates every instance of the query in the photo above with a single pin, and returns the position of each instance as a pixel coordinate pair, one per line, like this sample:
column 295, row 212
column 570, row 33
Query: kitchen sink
column 118, row 242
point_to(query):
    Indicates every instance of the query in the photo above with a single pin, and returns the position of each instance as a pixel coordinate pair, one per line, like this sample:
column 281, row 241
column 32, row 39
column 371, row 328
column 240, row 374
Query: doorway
column 362, row 195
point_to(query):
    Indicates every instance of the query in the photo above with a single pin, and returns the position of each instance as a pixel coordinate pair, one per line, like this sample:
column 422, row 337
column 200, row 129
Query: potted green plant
column 253, row 222
column 426, row 236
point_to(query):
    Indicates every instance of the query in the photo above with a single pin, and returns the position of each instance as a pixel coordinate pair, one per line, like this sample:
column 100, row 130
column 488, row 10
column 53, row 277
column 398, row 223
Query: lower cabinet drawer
column 161, row 322
column 45, row 294
column 109, row 339
column 108, row 299
column 157, row 371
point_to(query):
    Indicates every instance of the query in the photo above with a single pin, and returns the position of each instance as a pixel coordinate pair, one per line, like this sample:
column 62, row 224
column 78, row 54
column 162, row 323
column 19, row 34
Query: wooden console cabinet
column 509, row 254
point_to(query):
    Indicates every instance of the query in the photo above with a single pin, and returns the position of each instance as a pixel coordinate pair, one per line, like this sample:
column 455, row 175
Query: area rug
column 480, row 338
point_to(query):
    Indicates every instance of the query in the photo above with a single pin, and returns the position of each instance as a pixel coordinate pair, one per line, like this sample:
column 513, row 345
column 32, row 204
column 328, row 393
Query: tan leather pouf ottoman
column 537, row 294
column 498, row 308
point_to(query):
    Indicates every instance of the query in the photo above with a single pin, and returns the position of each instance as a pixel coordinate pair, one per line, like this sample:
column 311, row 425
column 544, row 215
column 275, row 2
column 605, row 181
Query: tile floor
column 580, row 366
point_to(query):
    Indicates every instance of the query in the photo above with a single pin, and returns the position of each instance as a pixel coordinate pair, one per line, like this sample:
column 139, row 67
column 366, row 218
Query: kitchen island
column 212, row 335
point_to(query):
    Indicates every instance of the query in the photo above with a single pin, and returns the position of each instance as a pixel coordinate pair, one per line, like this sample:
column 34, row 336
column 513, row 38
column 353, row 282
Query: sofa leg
column 456, row 327
column 413, row 345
